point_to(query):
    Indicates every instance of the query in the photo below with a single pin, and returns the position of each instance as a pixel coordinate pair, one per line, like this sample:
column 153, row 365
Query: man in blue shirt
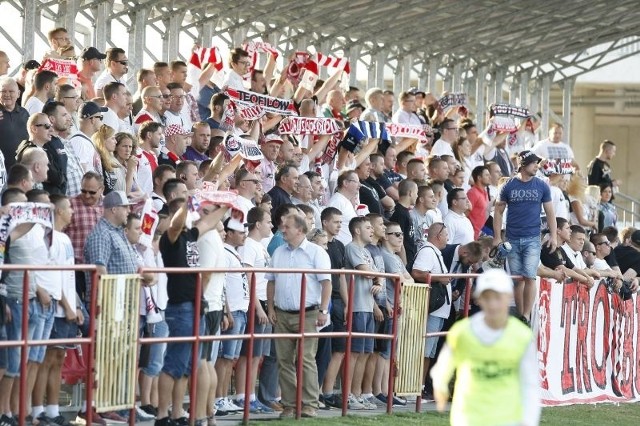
column 524, row 194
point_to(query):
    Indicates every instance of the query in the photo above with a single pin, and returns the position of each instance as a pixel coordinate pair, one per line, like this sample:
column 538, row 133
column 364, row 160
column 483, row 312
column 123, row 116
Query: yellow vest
column 488, row 390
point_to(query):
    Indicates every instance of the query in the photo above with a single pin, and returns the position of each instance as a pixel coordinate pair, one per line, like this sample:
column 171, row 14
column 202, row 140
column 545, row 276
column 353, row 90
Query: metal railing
column 628, row 209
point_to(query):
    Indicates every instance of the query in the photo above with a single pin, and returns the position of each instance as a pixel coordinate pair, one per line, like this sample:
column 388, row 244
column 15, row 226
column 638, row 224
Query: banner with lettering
column 65, row 68
column 409, row 131
column 309, row 126
column 587, row 344
column 268, row 103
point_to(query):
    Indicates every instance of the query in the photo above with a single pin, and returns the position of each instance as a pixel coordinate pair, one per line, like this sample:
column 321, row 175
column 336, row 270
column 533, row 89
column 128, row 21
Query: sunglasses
column 397, row 234
column 86, row 191
column 45, row 125
column 166, row 96
column 125, row 63
column 441, row 229
column 588, row 252
column 99, row 117
column 603, row 242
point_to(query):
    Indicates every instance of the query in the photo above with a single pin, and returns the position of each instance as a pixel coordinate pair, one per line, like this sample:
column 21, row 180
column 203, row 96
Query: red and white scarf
column 409, row 131
column 202, row 56
column 256, row 47
column 268, row 103
column 308, row 126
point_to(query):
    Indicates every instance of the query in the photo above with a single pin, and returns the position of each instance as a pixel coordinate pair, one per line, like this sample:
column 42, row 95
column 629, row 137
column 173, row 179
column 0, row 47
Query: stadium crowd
column 242, row 167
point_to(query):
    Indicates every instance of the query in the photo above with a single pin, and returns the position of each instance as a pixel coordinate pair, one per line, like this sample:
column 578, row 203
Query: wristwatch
column 324, row 311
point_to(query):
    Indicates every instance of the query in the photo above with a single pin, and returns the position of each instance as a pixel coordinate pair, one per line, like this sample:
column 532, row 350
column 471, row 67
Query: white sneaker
column 230, row 406
column 371, row 400
column 354, row 403
column 366, row 404
column 143, row 415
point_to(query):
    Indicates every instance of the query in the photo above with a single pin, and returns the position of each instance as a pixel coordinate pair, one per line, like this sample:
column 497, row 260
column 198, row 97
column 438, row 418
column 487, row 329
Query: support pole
column 354, row 54
column 381, row 61
column 135, row 51
column 524, row 91
column 406, row 72
column 433, row 76
column 28, row 33
column 397, row 78
column 499, row 77
column 567, row 93
column 544, row 102
column 481, row 100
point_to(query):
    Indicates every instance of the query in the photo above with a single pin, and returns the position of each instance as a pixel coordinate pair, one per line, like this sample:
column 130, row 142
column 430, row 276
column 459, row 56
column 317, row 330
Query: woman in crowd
column 105, row 142
column 584, row 209
column 606, row 207
column 128, row 164
column 462, row 153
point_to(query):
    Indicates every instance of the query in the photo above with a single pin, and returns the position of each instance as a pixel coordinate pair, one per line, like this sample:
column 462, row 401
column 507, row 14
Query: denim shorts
column 261, row 347
column 152, row 356
column 210, row 349
column 383, row 346
column 46, row 317
column 14, row 331
column 3, row 351
column 434, row 325
column 177, row 359
column 63, row 329
column 362, row 323
column 525, row 256
column 231, row 348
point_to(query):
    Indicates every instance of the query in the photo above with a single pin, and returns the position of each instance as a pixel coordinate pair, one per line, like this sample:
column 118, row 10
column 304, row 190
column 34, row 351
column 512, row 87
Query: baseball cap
column 353, row 104
column 233, row 224
column 176, row 129
column 31, row 64
column 635, row 237
column 527, row 157
column 115, row 199
column 91, row 108
column 89, row 53
column 494, row 279
column 273, row 138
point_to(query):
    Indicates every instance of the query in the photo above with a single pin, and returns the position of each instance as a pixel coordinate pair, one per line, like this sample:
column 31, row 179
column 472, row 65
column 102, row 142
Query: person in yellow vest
column 494, row 355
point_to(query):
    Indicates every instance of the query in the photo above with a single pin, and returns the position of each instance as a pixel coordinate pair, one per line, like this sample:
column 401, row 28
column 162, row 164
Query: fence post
column 300, row 364
column 419, row 398
column 24, row 330
column 346, row 383
column 394, row 341
column 250, row 344
column 467, row 296
column 93, row 313
column 194, row 351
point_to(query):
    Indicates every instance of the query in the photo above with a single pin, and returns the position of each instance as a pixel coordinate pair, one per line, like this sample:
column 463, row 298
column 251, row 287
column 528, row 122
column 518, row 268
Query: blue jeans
column 434, row 325
column 525, row 256
column 362, row 323
column 231, row 348
column 154, row 353
column 14, row 331
column 44, row 324
column 177, row 359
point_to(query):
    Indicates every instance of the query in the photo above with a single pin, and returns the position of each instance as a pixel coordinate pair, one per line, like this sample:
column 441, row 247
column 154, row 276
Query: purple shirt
column 193, row 155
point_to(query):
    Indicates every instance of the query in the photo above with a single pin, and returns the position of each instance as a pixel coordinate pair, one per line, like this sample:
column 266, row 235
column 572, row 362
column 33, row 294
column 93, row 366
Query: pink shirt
column 479, row 207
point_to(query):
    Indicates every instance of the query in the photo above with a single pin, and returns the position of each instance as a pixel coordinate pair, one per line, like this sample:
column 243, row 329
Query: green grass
column 601, row 415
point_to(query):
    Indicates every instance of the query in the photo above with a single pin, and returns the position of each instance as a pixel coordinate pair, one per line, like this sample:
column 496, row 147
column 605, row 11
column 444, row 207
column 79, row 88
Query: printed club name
column 263, row 101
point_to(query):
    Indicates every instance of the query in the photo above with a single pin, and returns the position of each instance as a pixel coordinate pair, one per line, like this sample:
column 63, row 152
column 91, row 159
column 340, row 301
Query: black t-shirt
column 370, row 194
column 628, row 258
column 183, row 253
column 401, row 217
column 335, row 249
column 599, row 172
column 554, row 259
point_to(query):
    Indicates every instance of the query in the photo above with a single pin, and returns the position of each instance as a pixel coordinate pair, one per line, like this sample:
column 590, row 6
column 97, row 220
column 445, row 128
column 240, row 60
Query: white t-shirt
column 547, row 149
column 106, row 77
column 442, row 147
column 236, row 283
column 179, row 119
column 48, row 280
column 255, row 255
column 601, row 265
column 61, row 253
column 233, row 80
column 85, row 150
column 34, row 105
column 460, row 228
column 404, row 117
column 575, row 257
column 429, row 259
column 341, row 203
column 144, row 176
column 111, row 119
column 560, row 202
column 245, row 205
column 213, row 255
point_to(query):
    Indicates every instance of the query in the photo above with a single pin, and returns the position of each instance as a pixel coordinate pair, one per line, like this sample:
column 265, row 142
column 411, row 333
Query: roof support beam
column 567, row 93
column 545, row 107
column 135, row 50
column 28, row 26
column 481, row 101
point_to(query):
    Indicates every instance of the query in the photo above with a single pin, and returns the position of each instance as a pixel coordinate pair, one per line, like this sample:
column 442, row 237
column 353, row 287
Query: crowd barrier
column 596, row 333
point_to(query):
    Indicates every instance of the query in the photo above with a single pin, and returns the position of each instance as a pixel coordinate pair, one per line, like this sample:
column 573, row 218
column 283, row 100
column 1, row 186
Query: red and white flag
column 202, row 56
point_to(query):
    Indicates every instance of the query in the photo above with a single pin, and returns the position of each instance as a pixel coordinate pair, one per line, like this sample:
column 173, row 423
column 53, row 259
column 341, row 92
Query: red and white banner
column 65, row 68
column 202, row 56
column 587, row 344
column 149, row 219
column 409, row 131
column 308, row 126
column 251, row 112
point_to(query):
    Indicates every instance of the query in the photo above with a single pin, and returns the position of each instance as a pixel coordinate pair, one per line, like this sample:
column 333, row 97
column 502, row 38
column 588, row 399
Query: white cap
column 493, row 279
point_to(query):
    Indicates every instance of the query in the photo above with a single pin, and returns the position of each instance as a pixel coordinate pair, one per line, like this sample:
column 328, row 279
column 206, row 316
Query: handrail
column 627, row 197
